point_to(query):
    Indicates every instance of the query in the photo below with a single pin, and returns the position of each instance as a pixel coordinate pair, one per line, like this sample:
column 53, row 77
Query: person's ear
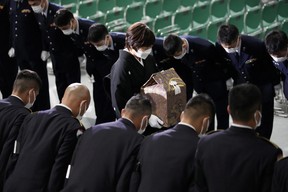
column 228, row 109
column 123, row 111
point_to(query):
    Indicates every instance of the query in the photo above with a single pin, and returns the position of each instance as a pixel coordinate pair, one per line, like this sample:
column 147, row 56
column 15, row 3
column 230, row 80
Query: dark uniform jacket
column 104, row 158
column 127, row 77
column 235, row 160
column 64, row 54
column 12, row 113
column 280, row 176
column 167, row 160
column 8, row 67
column 46, row 140
column 254, row 66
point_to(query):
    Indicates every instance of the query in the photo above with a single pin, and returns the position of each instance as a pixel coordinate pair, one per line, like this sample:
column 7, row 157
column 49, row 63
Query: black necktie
column 237, row 56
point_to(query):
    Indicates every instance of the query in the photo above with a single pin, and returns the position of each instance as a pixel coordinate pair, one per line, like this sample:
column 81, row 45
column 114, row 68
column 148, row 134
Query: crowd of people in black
column 48, row 149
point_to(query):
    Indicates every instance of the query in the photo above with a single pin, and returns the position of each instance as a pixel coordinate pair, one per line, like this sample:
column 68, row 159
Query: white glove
column 11, row 52
column 277, row 88
column 229, row 84
column 155, row 122
column 45, row 55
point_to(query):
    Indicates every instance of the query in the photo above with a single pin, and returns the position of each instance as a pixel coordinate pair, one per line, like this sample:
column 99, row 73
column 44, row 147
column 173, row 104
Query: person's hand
column 11, row 52
column 155, row 121
column 45, row 55
column 229, row 84
column 277, row 89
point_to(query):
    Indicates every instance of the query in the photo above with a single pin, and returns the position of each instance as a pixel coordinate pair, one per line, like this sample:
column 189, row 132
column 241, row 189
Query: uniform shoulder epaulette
column 214, row 131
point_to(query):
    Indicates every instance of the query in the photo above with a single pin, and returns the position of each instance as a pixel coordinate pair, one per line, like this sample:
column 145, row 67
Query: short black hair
column 244, row 101
column 97, row 32
column 276, row 41
column 202, row 104
column 172, row 44
column 27, row 79
column 63, row 17
column 139, row 105
column 139, row 35
column 227, row 34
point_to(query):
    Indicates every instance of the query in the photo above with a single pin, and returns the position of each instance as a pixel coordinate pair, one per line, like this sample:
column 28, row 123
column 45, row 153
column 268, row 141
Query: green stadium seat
column 236, row 7
column 200, row 16
column 269, row 17
column 183, row 18
column 148, row 21
column 105, row 5
column 123, row 3
column 238, row 21
column 68, row 2
column 212, row 30
column 152, row 8
column 134, row 12
column 99, row 17
column 58, row 2
column 162, row 21
column 284, row 26
column 200, row 32
column 170, row 5
column 88, row 9
column 252, row 23
column 203, row 2
column 188, row 3
column 115, row 14
column 218, row 10
column 253, row 5
column 71, row 7
column 282, row 10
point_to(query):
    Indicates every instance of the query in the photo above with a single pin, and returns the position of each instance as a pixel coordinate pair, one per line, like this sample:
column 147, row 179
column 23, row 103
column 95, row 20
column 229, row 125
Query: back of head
column 138, row 105
column 63, row 17
column 227, row 34
column 77, row 97
column 244, row 101
column 97, row 32
column 172, row 44
column 25, row 81
column 199, row 106
column 139, row 35
column 276, row 41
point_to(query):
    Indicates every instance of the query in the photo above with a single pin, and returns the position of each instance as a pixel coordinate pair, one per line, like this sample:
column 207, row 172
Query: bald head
column 77, row 97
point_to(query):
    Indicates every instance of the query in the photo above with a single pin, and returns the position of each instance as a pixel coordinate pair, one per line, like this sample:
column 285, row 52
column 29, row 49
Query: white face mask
column 234, row 49
column 102, row 47
column 143, row 126
column 204, row 129
column 67, row 31
column 182, row 54
column 143, row 54
column 279, row 59
column 258, row 123
column 37, row 9
column 79, row 116
column 30, row 104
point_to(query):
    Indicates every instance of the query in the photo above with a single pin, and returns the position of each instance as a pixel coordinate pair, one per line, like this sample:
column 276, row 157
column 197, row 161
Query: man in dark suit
column 237, row 159
column 64, row 55
column 26, row 46
column 108, row 45
column 8, row 66
column 167, row 158
column 277, row 45
column 280, row 176
column 205, row 74
column 46, row 141
column 106, row 153
column 13, row 110
column 248, row 62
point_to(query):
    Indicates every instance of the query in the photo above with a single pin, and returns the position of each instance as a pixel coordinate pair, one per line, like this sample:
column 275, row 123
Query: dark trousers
column 40, row 67
column 102, row 104
column 8, row 73
column 64, row 79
